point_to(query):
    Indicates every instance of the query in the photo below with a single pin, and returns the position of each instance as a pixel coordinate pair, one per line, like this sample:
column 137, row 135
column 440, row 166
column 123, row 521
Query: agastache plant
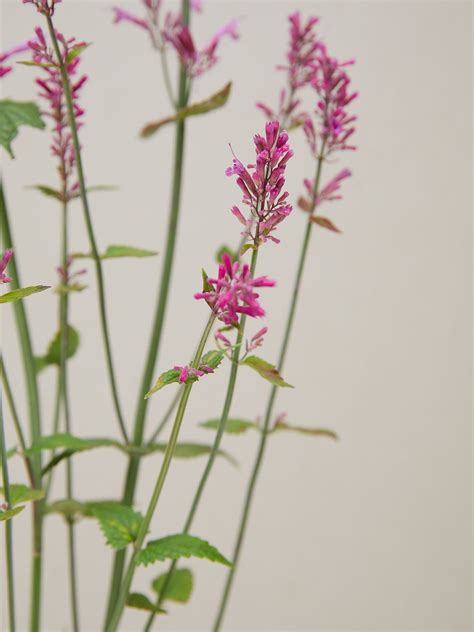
column 315, row 101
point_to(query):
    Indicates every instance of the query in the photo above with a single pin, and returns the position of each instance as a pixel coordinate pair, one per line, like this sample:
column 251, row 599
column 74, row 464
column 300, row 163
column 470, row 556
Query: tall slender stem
column 215, row 447
column 16, row 420
column 63, row 389
column 29, row 368
column 158, row 323
column 8, row 524
column 170, row 447
column 269, row 410
column 90, row 228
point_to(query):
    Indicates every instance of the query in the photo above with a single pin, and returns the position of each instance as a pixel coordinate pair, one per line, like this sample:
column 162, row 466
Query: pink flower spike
column 46, row 7
column 7, row 255
column 16, row 50
column 120, row 15
column 330, row 190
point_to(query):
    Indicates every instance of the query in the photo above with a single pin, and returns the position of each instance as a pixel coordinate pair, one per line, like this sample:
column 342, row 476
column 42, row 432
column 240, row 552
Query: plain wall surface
column 369, row 533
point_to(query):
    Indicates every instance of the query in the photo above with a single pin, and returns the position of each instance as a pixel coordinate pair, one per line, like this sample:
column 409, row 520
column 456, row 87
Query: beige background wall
column 371, row 533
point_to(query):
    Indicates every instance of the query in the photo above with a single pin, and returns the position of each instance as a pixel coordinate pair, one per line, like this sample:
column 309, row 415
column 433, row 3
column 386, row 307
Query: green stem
column 170, row 447
column 157, row 327
column 215, row 447
column 8, row 525
column 269, row 410
column 16, row 420
column 63, row 389
column 29, row 367
column 90, row 228
column 165, row 419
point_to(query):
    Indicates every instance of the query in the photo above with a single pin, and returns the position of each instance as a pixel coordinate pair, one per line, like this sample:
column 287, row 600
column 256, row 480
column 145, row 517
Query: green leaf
column 173, row 547
column 246, row 247
column 69, row 508
column 215, row 101
column 22, row 292
column 69, row 441
column 53, row 354
column 189, row 450
column 141, row 601
column 168, row 377
column 35, row 64
column 325, row 223
column 232, row 426
column 316, row 432
column 119, row 523
column 75, row 52
column 115, row 252
column 47, row 191
column 212, row 358
column 12, row 115
column 23, row 494
column 206, row 286
column 225, row 250
column 9, row 513
column 266, row 370
column 180, row 585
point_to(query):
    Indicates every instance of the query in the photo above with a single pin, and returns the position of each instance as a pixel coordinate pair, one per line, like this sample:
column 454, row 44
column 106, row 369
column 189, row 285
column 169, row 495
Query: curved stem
column 29, row 367
column 157, row 326
column 170, row 447
column 90, row 228
column 269, row 410
column 16, row 420
column 8, row 525
column 215, row 447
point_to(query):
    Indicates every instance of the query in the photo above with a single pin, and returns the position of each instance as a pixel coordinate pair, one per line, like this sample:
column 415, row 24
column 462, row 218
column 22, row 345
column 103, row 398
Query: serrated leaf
column 75, row 52
column 212, row 358
column 9, row 513
column 53, row 354
column 22, row 292
column 119, row 523
column 23, row 494
column 173, row 547
column 168, row 377
column 316, row 432
column 187, row 450
column 180, row 585
column 141, row 601
column 13, row 114
column 117, row 251
column 325, row 223
column 266, row 370
column 232, row 426
column 215, row 101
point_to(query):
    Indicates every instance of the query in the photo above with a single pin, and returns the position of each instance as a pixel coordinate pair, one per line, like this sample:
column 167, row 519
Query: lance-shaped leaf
column 225, row 250
column 141, row 602
column 58, row 195
column 53, row 354
column 76, row 51
column 180, row 585
column 325, row 223
column 266, row 370
column 119, row 523
column 173, row 547
column 9, row 513
column 189, row 450
column 118, row 251
column 212, row 358
column 232, row 425
column 22, row 292
column 215, row 101
column 315, row 432
column 12, row 115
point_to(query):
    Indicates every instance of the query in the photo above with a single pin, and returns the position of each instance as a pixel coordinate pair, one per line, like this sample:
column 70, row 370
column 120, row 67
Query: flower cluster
column 7, row 255
column 16, row 50
column 53, row 92
column 189, row 371
column 328, row 193
column 262, row 187
column 177, row 34
column 46, row 7
column 233, row 291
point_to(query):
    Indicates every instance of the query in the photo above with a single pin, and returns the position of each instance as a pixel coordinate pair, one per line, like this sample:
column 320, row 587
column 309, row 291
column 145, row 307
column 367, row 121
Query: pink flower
column 7, row 255
column 46, row 7
column 51, row 90
column 262, row 187
column 124, row 16
column 233, row 292
column 256, row 340
column 196, row 62
column 189, row 371
column 16, row 50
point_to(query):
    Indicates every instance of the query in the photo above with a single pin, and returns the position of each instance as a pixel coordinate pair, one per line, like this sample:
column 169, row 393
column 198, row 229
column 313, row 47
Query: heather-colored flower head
column 262, row 187
column 256, row 340
column 187, row 371
column 7, row 255
column 233, row 292
column 53, row 93
column 46, row 7
column 16, row 50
